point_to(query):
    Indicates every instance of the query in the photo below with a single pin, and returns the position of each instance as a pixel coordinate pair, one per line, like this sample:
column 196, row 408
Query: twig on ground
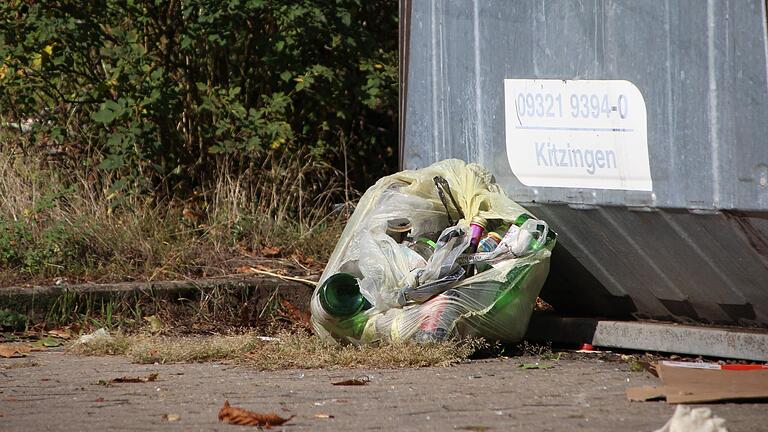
column 290, row 278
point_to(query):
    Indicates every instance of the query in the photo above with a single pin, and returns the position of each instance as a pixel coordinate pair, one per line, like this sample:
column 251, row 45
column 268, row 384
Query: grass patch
column 290, row 351
column 637, row 363
column 117, row 345
column 541, row 350
column 636, row 366
column 203, row 307
column 70, row 226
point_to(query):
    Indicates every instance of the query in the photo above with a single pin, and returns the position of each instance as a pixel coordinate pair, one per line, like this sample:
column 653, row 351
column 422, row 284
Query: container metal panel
column 696, row 247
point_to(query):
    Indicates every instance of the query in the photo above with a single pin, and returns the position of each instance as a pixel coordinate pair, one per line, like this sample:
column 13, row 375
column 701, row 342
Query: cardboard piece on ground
column 686, row 384
column 646, row 393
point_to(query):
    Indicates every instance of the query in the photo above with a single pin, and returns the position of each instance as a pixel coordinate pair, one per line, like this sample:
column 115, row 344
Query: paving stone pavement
column 58, row 391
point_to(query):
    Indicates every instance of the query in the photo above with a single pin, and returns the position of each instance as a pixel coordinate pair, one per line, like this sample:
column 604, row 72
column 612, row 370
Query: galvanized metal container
column 694, row 246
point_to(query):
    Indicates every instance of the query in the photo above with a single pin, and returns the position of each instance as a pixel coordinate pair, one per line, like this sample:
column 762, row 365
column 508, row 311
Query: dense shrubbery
column 140, row 135
column 160, row 93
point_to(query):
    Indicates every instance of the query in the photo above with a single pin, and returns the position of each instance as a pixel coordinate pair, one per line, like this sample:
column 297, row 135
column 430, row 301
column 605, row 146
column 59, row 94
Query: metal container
column 693, row 245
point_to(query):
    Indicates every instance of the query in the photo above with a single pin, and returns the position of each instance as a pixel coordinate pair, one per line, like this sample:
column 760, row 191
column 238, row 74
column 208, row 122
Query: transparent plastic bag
column 451, row 292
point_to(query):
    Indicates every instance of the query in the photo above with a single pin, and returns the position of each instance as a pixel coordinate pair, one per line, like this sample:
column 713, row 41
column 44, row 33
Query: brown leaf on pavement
column 50, row 342
column 60, row 333
column 171, row 417
column 125, row 379
column 239, row 416
column 353, row 382
column 12, row 351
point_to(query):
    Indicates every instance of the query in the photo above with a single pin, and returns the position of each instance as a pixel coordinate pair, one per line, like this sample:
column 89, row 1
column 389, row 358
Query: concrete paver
column 58, row 391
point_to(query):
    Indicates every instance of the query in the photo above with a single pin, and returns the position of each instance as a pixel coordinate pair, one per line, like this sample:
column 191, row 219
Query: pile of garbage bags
column 433, row 254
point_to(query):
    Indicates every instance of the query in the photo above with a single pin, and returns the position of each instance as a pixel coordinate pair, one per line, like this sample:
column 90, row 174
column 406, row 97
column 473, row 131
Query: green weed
column 12, row 321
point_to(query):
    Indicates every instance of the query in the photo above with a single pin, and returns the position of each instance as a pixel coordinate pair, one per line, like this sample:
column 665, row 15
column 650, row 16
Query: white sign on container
column 577, row 134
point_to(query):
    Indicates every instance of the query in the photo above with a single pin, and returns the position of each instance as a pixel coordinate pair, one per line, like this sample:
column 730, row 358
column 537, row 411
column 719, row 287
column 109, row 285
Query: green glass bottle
column 340, row 296
column 354, row 325
column 522, row 218
column 511, row 289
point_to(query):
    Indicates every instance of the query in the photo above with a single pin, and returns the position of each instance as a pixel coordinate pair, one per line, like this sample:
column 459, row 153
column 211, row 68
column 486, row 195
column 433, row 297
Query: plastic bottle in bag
column 524, row 218
column 492, row 239
column 489, row 243
column 399, row 229
column 477, row 227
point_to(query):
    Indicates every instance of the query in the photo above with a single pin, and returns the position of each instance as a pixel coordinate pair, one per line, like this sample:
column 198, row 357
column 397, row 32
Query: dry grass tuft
column 118, row 345
column 290, row 351
column 57, row 223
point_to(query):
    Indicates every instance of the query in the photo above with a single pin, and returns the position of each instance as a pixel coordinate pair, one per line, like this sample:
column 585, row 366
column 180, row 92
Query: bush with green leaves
column 153, row 96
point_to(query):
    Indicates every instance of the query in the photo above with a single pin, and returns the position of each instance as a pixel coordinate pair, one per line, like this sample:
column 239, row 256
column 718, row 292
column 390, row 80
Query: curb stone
column 38, row 299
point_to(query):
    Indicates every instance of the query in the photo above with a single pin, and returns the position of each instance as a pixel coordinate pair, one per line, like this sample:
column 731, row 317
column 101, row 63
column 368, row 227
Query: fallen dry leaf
column 353, row 382
column 270, row 251
column 260, row 269
column 535, row 366
column 476, row 428
column 50, row 342
column 155, row 324
column 60, row 333
column 239, row 416
column 171, row 417
column 12, row 351
column 299, row 256
column 125, row 379
column 541, row 305
column 245, row 269
column 191, row 215
column 101, row 399
column 295, row 314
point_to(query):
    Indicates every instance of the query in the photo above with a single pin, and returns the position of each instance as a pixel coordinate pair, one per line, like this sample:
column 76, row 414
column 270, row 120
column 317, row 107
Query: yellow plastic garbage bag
column 405, row 266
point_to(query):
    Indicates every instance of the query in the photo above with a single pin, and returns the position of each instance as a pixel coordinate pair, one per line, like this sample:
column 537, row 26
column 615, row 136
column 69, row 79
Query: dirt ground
column 58, row 391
